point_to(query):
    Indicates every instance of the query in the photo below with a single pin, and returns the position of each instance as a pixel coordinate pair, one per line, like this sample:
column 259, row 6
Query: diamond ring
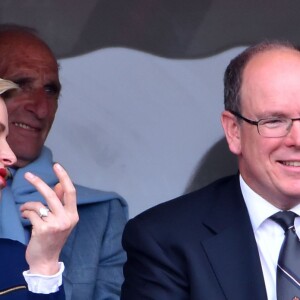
column 43, row 212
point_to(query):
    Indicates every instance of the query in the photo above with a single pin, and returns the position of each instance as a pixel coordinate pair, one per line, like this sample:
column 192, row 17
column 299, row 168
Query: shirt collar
column 260, row 209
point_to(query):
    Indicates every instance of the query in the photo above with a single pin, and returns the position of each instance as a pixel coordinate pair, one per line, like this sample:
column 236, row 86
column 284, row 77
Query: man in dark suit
column 219, row 242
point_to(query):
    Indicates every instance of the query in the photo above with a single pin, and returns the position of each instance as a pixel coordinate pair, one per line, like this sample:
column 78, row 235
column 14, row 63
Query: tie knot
column 285, row 219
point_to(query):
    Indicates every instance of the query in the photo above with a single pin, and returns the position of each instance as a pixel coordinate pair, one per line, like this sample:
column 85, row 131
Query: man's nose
column 38, row 103
column 293, row 137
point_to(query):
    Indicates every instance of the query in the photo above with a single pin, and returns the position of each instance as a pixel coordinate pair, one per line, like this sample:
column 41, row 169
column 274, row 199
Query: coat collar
column 232, row 251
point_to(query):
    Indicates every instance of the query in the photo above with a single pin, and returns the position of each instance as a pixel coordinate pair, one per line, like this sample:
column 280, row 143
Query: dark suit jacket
column 200, row 246
column 12, row 283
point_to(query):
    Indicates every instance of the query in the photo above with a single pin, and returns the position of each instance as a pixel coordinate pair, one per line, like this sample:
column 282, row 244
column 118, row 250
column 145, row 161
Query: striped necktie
column 288, row 267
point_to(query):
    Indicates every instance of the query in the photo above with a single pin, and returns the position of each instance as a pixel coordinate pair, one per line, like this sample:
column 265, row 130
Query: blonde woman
column 34, row 272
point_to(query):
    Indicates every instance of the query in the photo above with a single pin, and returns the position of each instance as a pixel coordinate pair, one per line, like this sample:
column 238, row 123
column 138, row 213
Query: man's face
column 32, row 109
column 270, row 166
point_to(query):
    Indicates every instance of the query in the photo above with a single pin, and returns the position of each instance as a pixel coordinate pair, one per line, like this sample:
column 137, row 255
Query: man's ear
column 232, row 131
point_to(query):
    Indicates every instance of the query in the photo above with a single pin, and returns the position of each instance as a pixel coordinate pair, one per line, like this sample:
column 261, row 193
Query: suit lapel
column 232, row 251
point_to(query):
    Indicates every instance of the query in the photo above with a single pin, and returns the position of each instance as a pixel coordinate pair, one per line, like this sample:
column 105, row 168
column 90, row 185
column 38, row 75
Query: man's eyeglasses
column 273, row 127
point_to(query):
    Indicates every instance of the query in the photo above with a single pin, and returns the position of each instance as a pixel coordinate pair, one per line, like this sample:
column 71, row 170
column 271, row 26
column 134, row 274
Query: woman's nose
column 7, row 157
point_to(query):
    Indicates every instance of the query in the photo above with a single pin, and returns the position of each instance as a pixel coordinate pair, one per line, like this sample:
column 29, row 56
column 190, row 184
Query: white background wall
column 138, row 124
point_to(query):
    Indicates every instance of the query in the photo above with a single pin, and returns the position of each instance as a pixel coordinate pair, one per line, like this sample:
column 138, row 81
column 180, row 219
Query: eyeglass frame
column 257, row 123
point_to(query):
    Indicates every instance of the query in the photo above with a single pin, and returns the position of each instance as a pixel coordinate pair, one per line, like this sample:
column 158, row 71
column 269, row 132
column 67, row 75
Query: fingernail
column 29, row 175
column 58, row 167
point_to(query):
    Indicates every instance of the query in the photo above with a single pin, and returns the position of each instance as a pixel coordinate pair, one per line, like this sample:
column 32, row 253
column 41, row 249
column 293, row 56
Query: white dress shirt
column 268, row 234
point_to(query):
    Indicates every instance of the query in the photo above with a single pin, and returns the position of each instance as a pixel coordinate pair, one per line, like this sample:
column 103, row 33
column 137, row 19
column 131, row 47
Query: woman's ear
column 232, row 131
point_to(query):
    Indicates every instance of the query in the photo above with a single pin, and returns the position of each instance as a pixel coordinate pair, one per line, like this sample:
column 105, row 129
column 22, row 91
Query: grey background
column 142, row 86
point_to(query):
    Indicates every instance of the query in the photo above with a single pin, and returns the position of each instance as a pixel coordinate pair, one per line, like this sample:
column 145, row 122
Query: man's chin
column 23, row 160
column 291, row 196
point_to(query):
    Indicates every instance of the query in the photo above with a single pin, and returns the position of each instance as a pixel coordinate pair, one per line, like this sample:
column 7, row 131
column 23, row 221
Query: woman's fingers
column 50, row 228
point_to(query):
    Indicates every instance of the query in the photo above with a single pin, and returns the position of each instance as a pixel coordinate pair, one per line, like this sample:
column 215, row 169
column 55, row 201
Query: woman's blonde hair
column 6, row 85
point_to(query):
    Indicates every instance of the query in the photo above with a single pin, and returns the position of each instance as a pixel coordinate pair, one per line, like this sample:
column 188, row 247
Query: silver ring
column 43, row 212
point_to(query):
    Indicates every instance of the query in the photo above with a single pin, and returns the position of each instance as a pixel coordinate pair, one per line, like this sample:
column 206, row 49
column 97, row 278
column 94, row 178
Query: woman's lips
column 4, row 174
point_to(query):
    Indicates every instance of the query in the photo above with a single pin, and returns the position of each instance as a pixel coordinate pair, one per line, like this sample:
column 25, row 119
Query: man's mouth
column 24, row 126
column 291, row 163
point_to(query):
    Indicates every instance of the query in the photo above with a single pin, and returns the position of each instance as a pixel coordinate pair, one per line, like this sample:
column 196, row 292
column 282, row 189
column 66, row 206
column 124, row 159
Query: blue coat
column 200, row 246
column 12, row 283
column 93, row 255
